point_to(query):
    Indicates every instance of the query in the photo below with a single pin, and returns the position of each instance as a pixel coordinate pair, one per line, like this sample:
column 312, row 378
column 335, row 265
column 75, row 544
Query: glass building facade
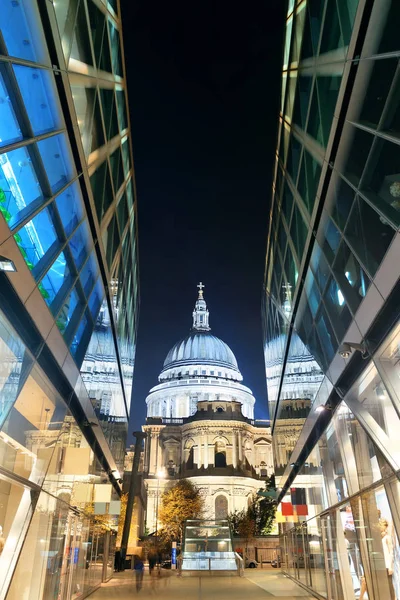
column 68, row 313
column 332, row 276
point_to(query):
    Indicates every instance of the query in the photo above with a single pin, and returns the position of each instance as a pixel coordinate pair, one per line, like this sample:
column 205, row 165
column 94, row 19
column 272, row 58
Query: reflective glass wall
column 345, row 544
column 334, row 219
column 69, row 310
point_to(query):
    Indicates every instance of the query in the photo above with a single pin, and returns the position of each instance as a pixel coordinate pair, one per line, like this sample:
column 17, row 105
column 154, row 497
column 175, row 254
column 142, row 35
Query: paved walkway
column 255, row 585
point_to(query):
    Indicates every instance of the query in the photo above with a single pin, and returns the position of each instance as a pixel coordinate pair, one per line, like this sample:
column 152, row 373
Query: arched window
column 189, row 462
column 220, row 454
column 221, row 507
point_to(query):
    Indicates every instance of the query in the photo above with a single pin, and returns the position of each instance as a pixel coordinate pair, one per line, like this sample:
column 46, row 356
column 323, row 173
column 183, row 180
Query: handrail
column 240, row 564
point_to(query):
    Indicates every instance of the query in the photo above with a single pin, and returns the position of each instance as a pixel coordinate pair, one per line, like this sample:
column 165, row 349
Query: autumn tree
column 181, row 502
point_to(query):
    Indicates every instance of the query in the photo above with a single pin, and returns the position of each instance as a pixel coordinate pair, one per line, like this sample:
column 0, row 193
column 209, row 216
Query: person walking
column 138, row 567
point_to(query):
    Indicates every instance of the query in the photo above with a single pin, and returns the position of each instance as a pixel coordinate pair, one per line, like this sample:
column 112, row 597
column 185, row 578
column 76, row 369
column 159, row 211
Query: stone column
column 153, row 453
column 234, row 449
column 205, row 439
column 240, row 447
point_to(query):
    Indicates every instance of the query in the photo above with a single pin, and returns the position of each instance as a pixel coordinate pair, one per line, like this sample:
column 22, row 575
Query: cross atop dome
column 200, row 313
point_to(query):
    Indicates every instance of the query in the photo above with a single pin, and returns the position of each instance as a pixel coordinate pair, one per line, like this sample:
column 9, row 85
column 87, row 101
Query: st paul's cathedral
column 200, row 425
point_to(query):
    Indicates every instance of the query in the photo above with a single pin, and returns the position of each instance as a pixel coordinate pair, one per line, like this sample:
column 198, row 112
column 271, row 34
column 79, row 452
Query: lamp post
column 160, row 475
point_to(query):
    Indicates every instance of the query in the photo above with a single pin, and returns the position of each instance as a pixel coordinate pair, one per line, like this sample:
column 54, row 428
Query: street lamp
column 160, row 475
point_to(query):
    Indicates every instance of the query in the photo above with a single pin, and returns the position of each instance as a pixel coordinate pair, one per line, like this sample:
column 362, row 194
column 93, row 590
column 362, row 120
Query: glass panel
column 65, row 11
column 102, row 382
column 388, row 363
column 328, row 89
column 115, row 49
column 376, row 77
column 81, row 336
column 343, row 198
column 40, row 98
column 314, row 127
column 359, row 144
column 332, row 239
column 302, row 100
column 308, row 180
column 389, row 41
column 15, row 365
column 57, row 275
column 371, row 403
column 16, row 505
column 384, row 179
column 24, row 448
column 293, row 158
column 57, row 161
column 337, row 309
column 80, row 244
column 67, row 312
column 97, row 23
column 89, row 273
column 96, row 298
column 325, row 332
column 122, row 213
column 9, row 126
column 81, row 46
column 381, row 545
column 320, row 266
column 123, row 122
column 126, row 157
column 84, row 100
column 109, row 112
column 36, row 238
column 22, row 31
column 131, row 197
column 70, row 207
column 100, row 183
column 19, row 186
column 298, row 232
column 332, row 36
column 97, row 133
column 117, row 169
column 353, row 281
column 369, row 235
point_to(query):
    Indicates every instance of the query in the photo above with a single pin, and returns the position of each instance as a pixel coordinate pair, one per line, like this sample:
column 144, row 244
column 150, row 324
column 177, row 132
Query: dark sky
column 203, row 84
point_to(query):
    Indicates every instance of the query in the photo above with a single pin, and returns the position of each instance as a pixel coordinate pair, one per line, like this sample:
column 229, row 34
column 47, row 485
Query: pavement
column 256, row 584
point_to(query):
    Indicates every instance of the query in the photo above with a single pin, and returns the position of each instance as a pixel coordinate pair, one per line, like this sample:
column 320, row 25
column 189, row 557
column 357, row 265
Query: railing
column 239, row 564
column 206, row 563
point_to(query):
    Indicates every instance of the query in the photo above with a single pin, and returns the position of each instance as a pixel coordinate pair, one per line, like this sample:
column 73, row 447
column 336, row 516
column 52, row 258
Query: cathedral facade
column 200, row 426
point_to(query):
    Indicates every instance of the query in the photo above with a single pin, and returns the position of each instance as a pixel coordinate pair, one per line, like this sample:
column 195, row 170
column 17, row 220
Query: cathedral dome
column 201, row 347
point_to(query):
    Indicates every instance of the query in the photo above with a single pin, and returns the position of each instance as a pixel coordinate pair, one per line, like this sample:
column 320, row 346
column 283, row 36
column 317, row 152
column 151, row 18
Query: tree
column 181, row 502
column 260, row 515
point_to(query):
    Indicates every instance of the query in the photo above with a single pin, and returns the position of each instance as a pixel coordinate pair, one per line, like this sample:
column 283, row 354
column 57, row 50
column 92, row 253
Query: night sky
column 203, row 85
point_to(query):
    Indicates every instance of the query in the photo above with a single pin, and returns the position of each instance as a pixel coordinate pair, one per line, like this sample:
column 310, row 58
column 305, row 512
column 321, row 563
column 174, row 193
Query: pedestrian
column 139, row 569
column 152, row 562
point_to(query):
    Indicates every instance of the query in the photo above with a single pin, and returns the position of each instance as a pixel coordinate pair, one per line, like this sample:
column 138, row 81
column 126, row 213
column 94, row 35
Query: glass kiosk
column 207, row 546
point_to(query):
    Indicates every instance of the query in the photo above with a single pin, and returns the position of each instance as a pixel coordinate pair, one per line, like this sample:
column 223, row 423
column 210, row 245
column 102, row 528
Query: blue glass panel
column 82, row 327
column 70, row 207
column 57, row 161
column 9, row 127
column 40, row 98
column 65, row 314
column 96, row 298
column 89, row 273
column 54, row 278
column 22, row 31
column 19, row 186
column 80, row 244
column 36, row 238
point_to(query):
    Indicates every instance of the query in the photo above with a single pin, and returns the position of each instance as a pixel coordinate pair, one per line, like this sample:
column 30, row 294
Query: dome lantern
column 200, row 313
